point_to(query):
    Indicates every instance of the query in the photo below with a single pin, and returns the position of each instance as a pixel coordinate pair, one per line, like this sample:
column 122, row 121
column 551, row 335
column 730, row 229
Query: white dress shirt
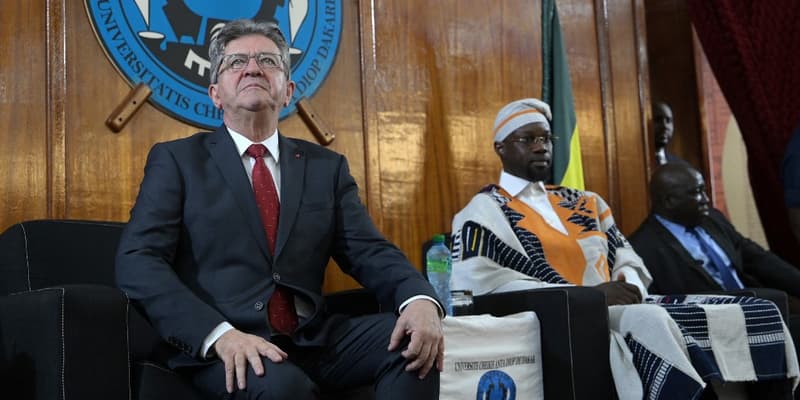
column 534, row 195
column 271, row 159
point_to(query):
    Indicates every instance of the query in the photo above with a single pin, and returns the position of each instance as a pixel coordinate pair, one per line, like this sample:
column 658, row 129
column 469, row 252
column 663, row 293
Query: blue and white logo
column 496, row 385
column 164, row 44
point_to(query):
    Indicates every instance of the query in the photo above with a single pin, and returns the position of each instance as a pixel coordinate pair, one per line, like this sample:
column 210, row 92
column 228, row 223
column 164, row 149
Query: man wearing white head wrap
column 519, row 113
column 587, row 251
column 522, row 234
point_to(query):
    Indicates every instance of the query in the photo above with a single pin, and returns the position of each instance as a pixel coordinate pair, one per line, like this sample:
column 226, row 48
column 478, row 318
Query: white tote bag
column 492, row 358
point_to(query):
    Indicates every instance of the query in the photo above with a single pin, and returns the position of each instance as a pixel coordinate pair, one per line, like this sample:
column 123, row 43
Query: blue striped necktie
column 723, row 269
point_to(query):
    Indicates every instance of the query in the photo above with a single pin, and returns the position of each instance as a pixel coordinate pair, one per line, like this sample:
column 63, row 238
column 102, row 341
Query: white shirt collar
column 514, row 185
column 242, row 143
column 534, row 194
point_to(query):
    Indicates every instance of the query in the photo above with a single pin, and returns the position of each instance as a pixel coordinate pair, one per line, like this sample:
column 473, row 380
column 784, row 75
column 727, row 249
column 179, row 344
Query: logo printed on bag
column 496, row 385
column 164, row 44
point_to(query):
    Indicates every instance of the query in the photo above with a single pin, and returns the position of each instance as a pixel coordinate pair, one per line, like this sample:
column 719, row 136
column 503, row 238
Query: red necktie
column 281, row 311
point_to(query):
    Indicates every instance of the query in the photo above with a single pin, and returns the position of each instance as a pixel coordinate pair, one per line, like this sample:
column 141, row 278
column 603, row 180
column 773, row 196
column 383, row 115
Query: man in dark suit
column 240, row 296
column 689, row 247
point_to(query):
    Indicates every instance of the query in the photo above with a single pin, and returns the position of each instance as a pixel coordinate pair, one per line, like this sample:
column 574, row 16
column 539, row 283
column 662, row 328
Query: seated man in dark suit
column 229, row 238
column 690, row 247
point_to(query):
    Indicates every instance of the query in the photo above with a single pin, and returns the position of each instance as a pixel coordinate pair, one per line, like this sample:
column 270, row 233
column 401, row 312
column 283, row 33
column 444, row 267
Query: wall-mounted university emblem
column 164, row 44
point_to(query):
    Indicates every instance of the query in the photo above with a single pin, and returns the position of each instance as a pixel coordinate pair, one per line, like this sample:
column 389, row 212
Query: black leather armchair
column 67, row 332
column 574, row 332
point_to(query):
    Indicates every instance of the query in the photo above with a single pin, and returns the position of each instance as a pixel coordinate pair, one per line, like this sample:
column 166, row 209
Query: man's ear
column 669, row 202
column 213, row 95
column 499, row 148
column 290, row 85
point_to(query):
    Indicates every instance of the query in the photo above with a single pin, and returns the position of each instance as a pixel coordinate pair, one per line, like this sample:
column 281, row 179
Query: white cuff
column 212, row 338
column 421, row 296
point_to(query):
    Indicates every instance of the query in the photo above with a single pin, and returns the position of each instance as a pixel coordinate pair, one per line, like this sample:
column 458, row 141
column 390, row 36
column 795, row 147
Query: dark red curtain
column 753, row 47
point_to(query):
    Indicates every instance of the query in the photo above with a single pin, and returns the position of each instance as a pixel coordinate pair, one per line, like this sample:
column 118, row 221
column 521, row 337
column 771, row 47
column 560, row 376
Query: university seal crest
column 164, row 44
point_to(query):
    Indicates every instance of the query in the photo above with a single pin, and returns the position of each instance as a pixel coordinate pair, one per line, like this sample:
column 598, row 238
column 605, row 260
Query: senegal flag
column 557, row 92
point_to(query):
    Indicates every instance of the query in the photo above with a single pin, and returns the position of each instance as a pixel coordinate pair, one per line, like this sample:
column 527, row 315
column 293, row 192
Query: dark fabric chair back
column 574, row 332
column 45, row 253
column 60, row 307
column 65, row 324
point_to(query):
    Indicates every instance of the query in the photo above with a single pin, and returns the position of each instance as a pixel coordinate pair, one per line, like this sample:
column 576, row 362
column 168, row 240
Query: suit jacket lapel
column 713, row 230
column 223, row 152
column 676, row 246
column 293, row 172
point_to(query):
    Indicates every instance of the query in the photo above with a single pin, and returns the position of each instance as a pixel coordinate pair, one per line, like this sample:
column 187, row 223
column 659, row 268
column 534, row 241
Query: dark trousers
column 356, row 355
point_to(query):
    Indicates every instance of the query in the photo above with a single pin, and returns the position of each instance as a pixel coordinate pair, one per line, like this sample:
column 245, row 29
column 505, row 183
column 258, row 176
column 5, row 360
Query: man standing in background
column 663, row 129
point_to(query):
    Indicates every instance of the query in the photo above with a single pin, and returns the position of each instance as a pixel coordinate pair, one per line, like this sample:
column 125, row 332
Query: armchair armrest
column 779, row 297
column 66, row 342
column 354, row 302
column 575, row 337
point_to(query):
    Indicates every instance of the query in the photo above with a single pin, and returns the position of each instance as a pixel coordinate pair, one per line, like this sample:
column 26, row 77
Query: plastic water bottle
column 438, row 265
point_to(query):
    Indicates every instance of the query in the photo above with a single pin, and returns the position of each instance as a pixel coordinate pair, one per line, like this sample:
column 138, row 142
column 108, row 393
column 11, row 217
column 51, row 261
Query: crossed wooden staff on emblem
column 298, row 10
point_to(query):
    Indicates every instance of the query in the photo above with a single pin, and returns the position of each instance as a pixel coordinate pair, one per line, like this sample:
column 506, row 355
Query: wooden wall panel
column 339, row 104
column 411, row 98
column 629, row 123
column 440, row 76
column 104, row 169
column 673, row 76
column 581, row 38
column 24, row 151
column 440, row 79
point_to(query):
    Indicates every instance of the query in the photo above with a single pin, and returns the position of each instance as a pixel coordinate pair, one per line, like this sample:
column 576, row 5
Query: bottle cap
column 438, row 238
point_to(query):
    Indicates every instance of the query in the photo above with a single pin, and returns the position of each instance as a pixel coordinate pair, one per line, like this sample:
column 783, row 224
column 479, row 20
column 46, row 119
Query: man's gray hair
column 233, row 30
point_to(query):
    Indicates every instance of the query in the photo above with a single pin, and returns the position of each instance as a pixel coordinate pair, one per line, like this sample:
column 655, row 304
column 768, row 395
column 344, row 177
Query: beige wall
column 736, row 184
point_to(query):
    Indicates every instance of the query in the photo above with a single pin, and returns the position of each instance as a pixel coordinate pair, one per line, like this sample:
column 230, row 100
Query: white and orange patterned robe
column 502, row 244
